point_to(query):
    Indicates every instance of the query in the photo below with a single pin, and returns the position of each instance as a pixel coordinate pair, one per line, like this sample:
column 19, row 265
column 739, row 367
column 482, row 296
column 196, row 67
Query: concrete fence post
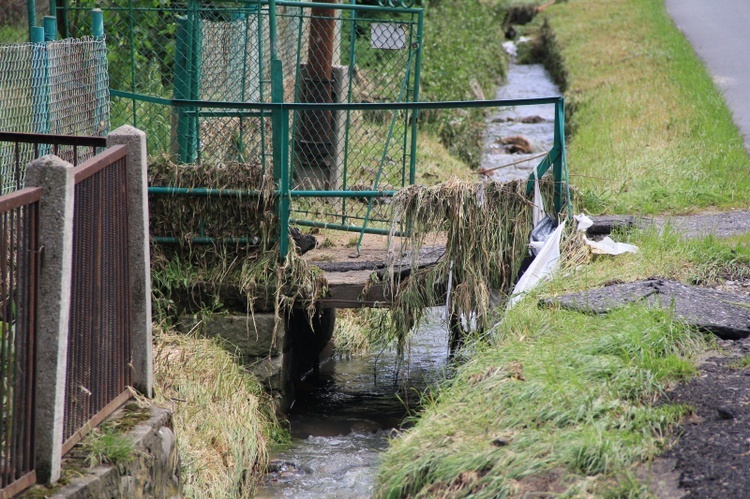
column 140, row 256
column 56, row 178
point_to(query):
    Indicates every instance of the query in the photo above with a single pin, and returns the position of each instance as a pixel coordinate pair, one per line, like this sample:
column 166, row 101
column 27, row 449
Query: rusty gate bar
column 19, row 260
column 17, row 149
column 99, row 343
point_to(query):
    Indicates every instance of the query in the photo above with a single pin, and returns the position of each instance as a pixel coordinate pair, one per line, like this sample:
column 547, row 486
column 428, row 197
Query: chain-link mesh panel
column 192, row 51
column 353, row 56
column 58, row 87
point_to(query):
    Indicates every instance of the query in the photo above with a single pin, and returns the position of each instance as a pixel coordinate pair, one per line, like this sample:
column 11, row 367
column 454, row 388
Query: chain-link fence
column 222, row 53
column 56, row 87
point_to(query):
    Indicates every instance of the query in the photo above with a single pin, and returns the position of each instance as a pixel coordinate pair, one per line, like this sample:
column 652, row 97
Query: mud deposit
column 712, row 455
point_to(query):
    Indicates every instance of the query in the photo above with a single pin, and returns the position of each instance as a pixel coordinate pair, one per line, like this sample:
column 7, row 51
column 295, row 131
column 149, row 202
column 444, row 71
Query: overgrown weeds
column 223, row 419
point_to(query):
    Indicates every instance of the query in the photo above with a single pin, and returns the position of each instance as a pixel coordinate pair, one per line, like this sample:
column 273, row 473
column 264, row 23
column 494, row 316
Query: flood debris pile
column 216, row 243
column 186, row 216
column 486, row 227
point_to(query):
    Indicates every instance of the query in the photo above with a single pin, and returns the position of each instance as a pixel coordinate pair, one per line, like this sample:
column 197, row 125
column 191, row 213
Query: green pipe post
column 39, row 83
column 50, row 28
column 280, row 118
column 31, row 17
column 100, row 117
column 53, row 8
column 415, row 112
column 131, row 41
column 563, row 159
column 183, row 89
column 62, row 19
column 284, row 200
column 557, row 164
column 261, row 93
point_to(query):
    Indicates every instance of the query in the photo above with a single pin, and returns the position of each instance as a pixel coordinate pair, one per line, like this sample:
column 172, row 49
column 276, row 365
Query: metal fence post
column 559, row 164
column 186, row 87
column 280, row 118
column 39, row 83
column 56, row 178
column 97, row 31
column 139, row 255
column 31, row 16
column 50, row 28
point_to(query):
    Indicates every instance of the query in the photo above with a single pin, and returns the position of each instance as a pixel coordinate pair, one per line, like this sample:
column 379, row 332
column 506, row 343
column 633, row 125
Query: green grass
column 461, row 45
column 651, row 132
column 554, row 391
column 567, row 398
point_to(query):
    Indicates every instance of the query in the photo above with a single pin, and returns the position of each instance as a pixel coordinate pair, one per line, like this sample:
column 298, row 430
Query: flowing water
column 534, row 124
column 341, row 425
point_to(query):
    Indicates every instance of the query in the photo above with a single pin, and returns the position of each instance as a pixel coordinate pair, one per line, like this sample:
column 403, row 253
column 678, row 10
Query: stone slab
column 725, row 314
column 252, row 335
column 154, row 472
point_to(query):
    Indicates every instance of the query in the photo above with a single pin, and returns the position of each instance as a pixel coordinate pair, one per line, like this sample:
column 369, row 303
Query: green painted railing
column 280, row 112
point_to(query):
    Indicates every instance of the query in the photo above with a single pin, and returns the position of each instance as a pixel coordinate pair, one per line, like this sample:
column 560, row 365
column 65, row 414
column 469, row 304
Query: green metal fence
column 325, row 94
column 287, row 196
column 326, row 53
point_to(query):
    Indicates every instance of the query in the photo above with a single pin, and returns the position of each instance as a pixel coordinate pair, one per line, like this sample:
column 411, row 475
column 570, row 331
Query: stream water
column 341, row 425
column 534, row 124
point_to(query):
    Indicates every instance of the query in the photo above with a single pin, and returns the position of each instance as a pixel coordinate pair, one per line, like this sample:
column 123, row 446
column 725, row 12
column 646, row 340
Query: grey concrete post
column 56, row 179
column 140, row 256
column 340, row 91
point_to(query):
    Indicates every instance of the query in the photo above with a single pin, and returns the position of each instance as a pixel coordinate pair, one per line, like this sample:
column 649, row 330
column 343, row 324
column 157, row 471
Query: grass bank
column 223, row 420
column 554, row 401
column 462, row 60
column 651, row 132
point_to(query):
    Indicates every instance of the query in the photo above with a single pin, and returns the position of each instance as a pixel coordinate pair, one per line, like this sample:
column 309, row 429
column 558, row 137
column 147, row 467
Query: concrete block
column 252, row 335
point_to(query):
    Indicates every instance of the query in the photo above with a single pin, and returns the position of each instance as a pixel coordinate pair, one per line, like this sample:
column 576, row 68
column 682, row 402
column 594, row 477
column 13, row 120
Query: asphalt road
column 719, row 30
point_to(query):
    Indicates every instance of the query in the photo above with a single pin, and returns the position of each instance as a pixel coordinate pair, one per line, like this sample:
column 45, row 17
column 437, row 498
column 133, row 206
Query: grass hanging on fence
column 486, row 226
column 252, row 266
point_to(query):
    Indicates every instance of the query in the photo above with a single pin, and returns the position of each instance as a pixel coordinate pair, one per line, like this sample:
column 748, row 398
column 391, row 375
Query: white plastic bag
column 609, row 247
column 543, row 266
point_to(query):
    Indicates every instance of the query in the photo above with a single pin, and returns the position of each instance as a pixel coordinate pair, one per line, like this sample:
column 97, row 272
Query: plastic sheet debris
column 544, row 265
column 609, row 247
column 584, row 222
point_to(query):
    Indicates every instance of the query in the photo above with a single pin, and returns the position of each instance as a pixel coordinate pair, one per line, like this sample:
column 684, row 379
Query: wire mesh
column 222, row 52
column 18, row 272
column 58, row 87
column 354, row 150
column 99, row 338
